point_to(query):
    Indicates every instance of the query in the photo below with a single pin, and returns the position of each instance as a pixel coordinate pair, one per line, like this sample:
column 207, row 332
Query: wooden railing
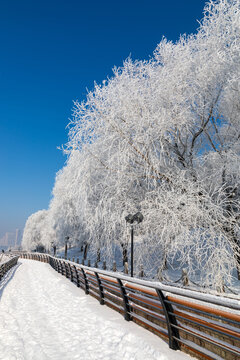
column 206, row 326
column 6, row 265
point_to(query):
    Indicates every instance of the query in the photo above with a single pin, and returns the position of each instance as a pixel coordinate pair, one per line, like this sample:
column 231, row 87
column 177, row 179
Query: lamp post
column 54, row 247
column 138, row 217
column 66, row 242
column 131, row 250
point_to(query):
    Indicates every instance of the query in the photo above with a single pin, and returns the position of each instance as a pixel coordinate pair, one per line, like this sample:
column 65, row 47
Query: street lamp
column 138, row 217
column 54, row 247
column 66, row 242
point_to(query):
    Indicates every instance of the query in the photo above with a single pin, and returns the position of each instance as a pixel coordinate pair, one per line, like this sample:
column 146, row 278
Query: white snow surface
column 44, row 316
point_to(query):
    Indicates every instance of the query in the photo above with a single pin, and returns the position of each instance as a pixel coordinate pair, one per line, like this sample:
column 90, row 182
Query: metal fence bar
column 125, row 301
column 71, row 273
column 65, row 269
column 6, row 266
column 101, row 293
column 86, row 281
column 173, row 333
column 204, row 338
column 58, row 265
column 61, row 265
column 77, row 276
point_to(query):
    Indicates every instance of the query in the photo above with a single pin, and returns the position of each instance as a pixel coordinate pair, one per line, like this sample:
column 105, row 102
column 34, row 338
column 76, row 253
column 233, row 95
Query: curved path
column 44, row 316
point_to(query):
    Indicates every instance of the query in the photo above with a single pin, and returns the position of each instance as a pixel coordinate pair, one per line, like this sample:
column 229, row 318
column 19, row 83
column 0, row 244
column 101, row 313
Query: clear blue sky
column 51, row 52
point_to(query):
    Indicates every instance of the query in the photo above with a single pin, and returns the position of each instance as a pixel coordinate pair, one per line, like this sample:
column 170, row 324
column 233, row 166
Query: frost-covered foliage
column 34, row 231
column 66, row 211
column 162, row 137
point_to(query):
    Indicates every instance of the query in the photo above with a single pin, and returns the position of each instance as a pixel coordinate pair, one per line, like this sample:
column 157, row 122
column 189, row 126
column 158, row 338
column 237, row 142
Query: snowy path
column 44, row 316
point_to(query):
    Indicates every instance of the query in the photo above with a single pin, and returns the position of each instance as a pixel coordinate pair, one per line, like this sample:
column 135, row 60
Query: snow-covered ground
column 44, row 316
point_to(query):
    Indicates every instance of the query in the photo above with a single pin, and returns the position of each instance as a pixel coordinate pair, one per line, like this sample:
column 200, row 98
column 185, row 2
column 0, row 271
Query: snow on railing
column 7, row 263
column 204, row 325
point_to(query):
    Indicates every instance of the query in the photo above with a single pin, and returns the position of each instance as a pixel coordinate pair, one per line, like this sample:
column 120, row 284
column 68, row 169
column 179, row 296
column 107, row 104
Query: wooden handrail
column 148, row 302
column 207, row 309
column 207, row 323
column 141, row 289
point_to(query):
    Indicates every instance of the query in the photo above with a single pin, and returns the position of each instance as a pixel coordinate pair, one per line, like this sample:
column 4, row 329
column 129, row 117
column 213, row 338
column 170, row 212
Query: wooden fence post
column 185, row 277
column 141, row 272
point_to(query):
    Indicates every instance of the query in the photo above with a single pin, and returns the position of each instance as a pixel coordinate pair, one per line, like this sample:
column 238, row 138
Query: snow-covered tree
column 162, row 137
column 168, row 130
column 33, row 237
column 65, row 214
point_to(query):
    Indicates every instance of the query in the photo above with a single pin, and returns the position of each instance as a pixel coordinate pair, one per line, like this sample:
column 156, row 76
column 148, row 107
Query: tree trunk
column 165, row 262
column 65, row 252
column 124, row 252
column 230, row 228
column 98, row 255
column 85, row 251
column 235, row 243
column 237, row 256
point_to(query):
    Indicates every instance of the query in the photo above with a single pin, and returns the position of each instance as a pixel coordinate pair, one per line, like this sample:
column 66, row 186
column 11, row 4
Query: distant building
column 11, row 239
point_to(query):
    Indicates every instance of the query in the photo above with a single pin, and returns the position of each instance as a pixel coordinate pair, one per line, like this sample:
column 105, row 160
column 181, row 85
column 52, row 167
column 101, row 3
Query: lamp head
column 138, row 217
column 129, row 218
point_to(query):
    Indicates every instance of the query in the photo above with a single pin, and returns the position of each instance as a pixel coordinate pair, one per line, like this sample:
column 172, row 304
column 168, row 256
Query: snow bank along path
column 44, row 316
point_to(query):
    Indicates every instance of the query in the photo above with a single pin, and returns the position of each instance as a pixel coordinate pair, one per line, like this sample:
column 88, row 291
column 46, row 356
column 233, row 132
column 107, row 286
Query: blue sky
column 51, row 52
